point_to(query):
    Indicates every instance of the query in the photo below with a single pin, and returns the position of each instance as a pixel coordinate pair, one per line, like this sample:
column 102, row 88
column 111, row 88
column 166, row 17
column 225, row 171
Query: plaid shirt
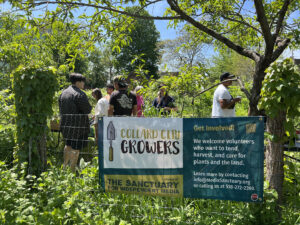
column 74, row 108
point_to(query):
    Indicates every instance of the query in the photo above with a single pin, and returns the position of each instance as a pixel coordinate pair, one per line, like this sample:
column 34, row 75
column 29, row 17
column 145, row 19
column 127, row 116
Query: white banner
column 144, row 143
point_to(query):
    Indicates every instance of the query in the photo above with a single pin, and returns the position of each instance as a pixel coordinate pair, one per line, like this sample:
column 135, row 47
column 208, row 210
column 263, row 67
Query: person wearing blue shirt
column 164, row 101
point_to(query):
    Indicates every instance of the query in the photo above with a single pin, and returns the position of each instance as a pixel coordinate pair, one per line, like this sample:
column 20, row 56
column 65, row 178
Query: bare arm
column 170, row 109
column 227, row 104
column 111, row 110
column 96, row 132
column 134, row 110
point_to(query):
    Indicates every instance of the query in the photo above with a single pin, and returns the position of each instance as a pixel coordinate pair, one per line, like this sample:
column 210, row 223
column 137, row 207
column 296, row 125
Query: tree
column 96, row 76
column 108, row 61
column 18, row 44
column 57, row 43
column 65, row 42
column 142, row 47
column 184, row 50
column 280, row 99
column 232, row 62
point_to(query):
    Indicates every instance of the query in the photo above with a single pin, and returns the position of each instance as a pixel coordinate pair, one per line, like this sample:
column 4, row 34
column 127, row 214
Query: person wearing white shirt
column 223, row 102
column 101, row 109
column 102, row 106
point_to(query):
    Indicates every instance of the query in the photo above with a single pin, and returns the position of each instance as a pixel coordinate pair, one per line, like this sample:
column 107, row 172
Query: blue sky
column 165, row 32
column 162, row 25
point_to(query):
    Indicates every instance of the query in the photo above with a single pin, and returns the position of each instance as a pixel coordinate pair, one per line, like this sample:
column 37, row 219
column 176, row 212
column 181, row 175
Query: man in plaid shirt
column 74, row 108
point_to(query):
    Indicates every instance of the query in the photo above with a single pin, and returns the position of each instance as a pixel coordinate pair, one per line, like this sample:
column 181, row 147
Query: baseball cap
column 122, row 82
column 226, row 76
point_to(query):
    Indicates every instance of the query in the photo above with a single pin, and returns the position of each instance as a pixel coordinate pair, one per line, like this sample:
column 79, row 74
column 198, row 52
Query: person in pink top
column 140, row 101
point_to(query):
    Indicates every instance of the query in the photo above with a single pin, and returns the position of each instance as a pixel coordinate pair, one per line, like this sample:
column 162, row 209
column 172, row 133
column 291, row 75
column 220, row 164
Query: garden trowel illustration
column 111, row 135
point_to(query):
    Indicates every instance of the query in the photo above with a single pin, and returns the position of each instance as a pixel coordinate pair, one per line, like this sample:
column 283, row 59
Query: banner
column 215, row 158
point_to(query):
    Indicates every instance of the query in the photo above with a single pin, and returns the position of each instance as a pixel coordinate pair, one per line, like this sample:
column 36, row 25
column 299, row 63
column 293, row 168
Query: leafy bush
column 7, row 126
column 7, row 143
column 61, row 197
column 34, row 86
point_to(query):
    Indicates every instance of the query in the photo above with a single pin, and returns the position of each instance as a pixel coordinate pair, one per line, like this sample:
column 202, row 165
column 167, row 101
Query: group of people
column 74, row 110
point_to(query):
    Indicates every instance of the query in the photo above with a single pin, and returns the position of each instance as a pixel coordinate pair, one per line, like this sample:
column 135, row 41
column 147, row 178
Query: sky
column 166, row 32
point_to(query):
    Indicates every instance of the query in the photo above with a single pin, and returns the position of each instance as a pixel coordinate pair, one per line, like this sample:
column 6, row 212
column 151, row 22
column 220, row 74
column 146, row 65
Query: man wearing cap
column 223, row 102
column 122, row 102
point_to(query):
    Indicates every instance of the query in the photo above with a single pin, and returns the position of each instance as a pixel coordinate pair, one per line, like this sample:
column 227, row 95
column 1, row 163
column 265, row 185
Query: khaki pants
column 70, row 157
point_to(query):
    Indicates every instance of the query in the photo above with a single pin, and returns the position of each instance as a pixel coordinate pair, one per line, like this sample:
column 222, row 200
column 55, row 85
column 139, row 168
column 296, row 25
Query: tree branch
column 104, row 8
column 281, row 47
column 262, row 19
column 241, row 22
column 281, row 16
column 207, row 89
column 239, row 49
column 243, row 89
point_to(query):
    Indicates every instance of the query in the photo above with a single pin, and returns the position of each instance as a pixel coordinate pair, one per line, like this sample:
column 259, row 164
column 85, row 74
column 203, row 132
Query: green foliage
column 18, row 44
column 185, row 88
column 185, row 50
column 187, row 84
column 67, row 46
column 7, row 126
column 281, row 91
column 7, row 109
column 61, row 197
column 60, row 44
column 96, row 75
column 7, row 143
column 34, row 86
column 292, row 176
column 291, row 190
column 265, row 213
column 229, row 61
column 143, row 37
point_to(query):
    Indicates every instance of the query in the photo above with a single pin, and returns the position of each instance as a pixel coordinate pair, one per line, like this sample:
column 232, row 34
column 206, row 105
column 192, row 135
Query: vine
column 280, row 91
column 34, row 86
column 280, row 96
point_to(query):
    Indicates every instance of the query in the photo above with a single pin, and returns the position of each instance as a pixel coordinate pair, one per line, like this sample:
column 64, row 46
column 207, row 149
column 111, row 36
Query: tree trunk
column 258, row 78
column 110, row 74
column 42, row 150
column 274, row 153
column 182, row 108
